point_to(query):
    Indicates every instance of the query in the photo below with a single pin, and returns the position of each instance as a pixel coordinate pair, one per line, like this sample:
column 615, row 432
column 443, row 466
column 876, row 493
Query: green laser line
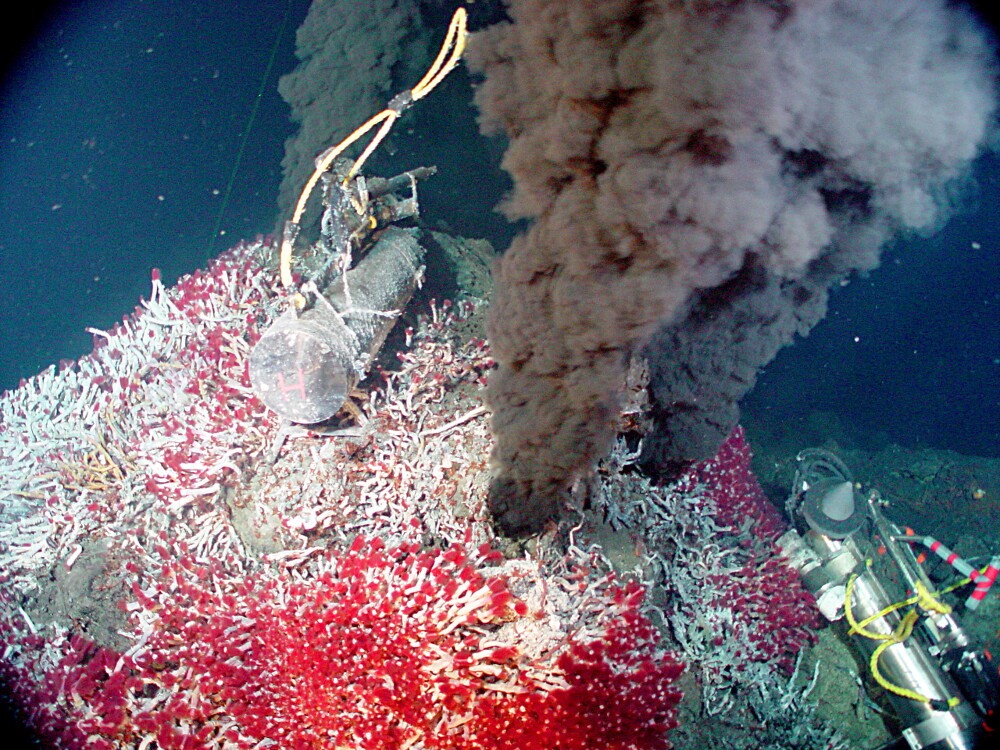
column 246, row 131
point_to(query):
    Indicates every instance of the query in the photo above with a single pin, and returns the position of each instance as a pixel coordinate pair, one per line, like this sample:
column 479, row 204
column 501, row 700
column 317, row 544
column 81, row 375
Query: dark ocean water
column 120, row 126
column 911, row 353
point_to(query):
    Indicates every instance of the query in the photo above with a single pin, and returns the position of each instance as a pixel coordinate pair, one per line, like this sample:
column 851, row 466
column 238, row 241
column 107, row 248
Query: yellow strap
column 455, row 39
column 929, row 601
column 860, row 628
column 924, row 598
column 447, row 58
column 903, row 631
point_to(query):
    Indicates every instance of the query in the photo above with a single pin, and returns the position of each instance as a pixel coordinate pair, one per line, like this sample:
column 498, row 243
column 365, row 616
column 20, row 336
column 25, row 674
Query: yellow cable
column 928, row 600
column 390, row 119
column 860, row 627
column 925, row 599
column 444, row 63
column 902, row 632
column 455, row 39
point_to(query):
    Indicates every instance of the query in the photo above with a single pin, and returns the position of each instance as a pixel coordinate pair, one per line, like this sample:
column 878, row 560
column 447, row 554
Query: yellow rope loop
column 860, row 628
column 928, row 600
column 454, row 40
column 878, row 616
column 323, row 164
column 925, row 598
column 450, row 53
column 902, row 631
column 900, row 634
column 391, row 116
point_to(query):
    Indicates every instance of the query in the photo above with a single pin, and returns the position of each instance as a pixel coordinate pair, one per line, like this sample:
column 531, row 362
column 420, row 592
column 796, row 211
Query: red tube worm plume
column 71, row 693
column 380, row 649
column 738, row 496
column 776, row 613
column 618, row 694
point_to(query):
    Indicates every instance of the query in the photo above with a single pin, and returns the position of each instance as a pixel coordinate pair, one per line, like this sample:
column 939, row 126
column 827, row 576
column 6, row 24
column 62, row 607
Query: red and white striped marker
column 983, row 579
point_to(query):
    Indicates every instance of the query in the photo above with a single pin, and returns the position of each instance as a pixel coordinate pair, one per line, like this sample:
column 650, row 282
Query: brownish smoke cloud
column 698, row 174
